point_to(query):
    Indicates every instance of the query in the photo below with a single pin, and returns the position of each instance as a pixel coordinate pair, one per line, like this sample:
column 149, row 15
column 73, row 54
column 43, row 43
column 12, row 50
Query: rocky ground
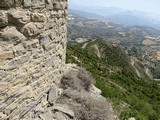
column 76, row 98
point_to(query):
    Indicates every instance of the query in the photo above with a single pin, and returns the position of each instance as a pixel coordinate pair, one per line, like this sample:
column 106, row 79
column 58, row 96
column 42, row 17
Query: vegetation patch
column 131, row 96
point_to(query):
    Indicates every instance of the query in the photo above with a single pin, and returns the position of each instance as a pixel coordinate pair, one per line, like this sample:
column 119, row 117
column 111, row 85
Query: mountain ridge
column 116, row 76
column 121, row 17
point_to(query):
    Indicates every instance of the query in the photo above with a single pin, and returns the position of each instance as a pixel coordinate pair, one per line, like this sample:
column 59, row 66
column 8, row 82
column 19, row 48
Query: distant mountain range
column 119, row 16
column 86, row 14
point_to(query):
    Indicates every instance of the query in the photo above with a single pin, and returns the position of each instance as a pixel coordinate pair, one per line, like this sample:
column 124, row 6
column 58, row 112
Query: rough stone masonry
column 32, row 53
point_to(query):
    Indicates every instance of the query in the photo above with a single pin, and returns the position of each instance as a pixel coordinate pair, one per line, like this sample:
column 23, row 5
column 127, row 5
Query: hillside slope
column 131, row 95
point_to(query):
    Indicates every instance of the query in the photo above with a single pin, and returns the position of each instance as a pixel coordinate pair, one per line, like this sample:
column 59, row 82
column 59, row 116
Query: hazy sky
column 152, row 6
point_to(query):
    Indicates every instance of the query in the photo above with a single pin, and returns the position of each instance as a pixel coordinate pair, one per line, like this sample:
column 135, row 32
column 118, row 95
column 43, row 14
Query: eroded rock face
column 32, row 56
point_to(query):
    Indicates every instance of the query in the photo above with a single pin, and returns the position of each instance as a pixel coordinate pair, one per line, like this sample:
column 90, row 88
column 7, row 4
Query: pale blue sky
column 152, row 6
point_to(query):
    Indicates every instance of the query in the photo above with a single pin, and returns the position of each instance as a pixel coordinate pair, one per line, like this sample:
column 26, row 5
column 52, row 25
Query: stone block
column 50, row 24
column 51, row 46
column 23, row 59
column 38, row 17
column 44, row 38
column 19, row 17
column 20, row 49
column 34, row 4
column 32, row 29
column 11, row 34
column 29, row 45
column 18, row 62
column 9, row 78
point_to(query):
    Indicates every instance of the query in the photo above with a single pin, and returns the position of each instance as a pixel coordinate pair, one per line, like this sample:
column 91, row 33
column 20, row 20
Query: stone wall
column 32, row 53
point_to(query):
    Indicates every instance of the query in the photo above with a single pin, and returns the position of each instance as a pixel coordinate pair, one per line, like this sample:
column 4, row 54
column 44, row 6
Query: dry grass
column 77, row 80
column 76, row 85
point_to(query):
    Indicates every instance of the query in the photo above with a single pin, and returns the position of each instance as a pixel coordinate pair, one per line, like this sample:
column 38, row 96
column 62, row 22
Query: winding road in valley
column 133, row 64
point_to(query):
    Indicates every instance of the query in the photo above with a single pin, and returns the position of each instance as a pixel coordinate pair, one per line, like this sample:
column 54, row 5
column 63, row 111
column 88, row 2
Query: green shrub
column 125, row 115
column 118, row 81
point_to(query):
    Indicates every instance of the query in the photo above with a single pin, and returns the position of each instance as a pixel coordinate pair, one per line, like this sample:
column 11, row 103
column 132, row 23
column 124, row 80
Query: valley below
column 141, row 42
column 124, row 61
